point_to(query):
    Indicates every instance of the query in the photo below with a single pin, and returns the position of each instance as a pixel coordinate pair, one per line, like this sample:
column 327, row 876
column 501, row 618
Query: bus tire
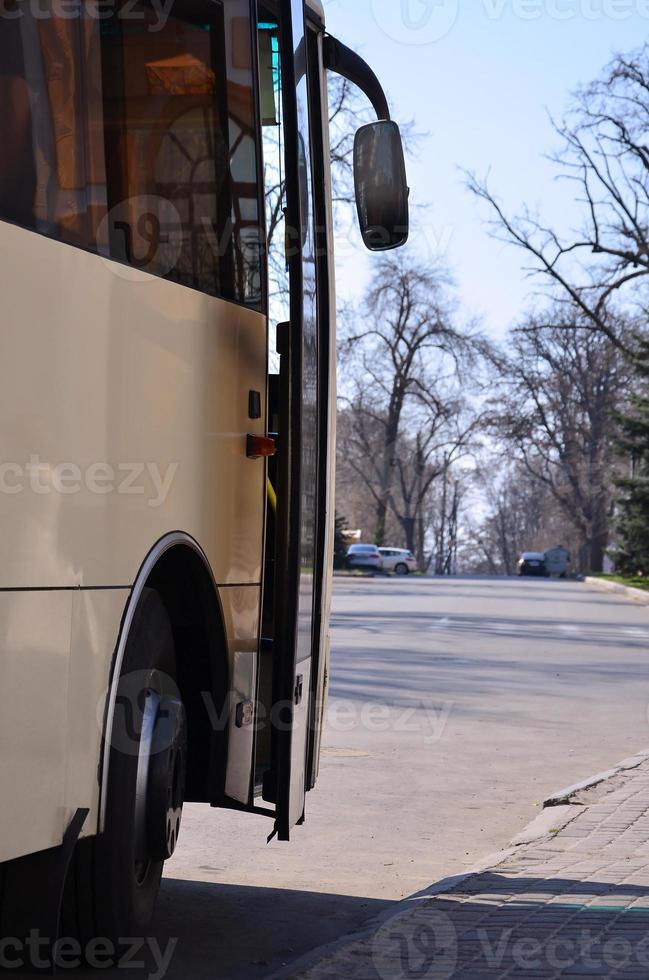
column 113, row 885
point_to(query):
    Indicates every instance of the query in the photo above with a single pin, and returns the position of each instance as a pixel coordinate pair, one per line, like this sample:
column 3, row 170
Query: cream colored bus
column 166, row 477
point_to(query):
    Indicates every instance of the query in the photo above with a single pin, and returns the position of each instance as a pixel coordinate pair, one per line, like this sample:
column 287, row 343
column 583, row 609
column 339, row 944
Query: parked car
column 364, row 556
column 532, row 563
column 398, row 560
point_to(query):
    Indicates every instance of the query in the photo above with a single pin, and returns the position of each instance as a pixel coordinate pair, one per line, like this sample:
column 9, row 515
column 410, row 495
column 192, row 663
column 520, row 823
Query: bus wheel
column 122, row 867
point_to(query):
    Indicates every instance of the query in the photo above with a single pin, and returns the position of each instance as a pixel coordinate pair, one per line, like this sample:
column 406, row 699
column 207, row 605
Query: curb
column 548, row 823
column 564, row 796
column 636, row 595
column 557, row 813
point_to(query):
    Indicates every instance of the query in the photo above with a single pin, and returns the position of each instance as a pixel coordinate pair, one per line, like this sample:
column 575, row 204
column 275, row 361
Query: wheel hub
column 161, row 776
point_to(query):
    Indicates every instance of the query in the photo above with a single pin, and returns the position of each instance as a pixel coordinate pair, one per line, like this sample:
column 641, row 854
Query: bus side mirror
column 381, row 186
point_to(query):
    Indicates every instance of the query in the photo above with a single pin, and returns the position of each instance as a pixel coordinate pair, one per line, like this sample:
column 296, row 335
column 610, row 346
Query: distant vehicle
column 557, row 561
column 364, row 556
column 398, row 560
column 532, row 563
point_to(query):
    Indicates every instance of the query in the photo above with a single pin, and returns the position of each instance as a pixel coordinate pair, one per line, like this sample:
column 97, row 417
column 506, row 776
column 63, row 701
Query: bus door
column 299, row 566
column 305, row 394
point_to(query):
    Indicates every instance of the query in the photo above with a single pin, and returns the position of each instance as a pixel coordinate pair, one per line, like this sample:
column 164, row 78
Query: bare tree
column 450, row 493
column 604, row 154
column 430, row 489
column 557, row 395
column 520, row 516
column 424, row 461
column 399, row 361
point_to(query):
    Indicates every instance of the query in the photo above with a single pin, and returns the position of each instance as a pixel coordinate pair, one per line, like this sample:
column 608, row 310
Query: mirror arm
column 345, row 62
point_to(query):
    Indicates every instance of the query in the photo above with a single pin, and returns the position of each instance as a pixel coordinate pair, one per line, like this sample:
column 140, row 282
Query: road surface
column 456, row 706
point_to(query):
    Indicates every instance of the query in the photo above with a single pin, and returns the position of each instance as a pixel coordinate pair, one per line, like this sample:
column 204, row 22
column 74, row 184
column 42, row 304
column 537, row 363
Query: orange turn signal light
column 260, row 447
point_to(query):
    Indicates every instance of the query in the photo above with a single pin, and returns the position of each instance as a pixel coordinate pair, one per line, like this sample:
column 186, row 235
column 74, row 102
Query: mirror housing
column 381, row 186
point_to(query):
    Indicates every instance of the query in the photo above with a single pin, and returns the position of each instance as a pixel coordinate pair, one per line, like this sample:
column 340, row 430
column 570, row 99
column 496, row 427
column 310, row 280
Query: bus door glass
column 293, row 301
column 306, row 618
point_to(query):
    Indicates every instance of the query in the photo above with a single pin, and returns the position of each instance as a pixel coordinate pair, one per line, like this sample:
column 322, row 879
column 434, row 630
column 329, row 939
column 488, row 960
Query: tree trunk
column 381, row 521
column 441, row 540
column 421, row 544
column 389, row 443
column 598, row 537
column 597, row 551
column 409, row 527
column 584, row 557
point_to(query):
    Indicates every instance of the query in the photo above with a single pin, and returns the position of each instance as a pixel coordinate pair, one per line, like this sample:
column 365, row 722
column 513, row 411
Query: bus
column 167, row 410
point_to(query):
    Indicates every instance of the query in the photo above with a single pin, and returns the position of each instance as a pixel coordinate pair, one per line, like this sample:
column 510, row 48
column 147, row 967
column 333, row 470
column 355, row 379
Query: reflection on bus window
column 274, row 179
column 52, row 173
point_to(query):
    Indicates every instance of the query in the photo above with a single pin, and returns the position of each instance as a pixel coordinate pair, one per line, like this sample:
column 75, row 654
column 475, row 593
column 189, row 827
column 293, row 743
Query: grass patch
column 634, row 581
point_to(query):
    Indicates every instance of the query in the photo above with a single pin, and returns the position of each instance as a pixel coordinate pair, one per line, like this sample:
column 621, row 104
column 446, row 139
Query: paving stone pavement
column 573, row 904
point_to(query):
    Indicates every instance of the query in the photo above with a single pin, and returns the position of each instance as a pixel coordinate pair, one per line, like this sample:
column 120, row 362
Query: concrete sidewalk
column 628, row 591
column 572, row 904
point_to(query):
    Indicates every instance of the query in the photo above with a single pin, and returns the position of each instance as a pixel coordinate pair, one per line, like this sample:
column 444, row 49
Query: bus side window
column 52, row 180
column 181, row 147
column 17, row 163
column 135, row 136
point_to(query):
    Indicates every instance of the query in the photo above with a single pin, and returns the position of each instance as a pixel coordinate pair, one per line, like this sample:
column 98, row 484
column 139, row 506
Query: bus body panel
column 95, row 627
column 124, row 417
column 56, row 655
column 34, row 666
column 241, row 610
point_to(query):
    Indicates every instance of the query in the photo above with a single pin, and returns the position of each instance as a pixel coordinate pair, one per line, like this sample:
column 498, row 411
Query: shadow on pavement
column 407, row 680
column 536, row 590
column 488, row 926
column 227, row 932
column 517, row 628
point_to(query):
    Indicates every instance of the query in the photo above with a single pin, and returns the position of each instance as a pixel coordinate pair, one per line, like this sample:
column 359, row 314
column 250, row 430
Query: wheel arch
column 178, row 569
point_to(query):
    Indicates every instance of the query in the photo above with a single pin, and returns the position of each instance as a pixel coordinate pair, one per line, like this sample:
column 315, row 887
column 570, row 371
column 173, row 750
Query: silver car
column 398, row 560
column 364, row 556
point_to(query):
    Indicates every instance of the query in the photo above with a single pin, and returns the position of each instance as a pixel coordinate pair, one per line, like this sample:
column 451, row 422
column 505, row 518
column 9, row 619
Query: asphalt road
column 456, row 706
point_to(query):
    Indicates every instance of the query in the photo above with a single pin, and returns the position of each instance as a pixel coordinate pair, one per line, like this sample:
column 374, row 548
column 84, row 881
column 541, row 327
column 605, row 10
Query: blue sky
column 479, row 77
